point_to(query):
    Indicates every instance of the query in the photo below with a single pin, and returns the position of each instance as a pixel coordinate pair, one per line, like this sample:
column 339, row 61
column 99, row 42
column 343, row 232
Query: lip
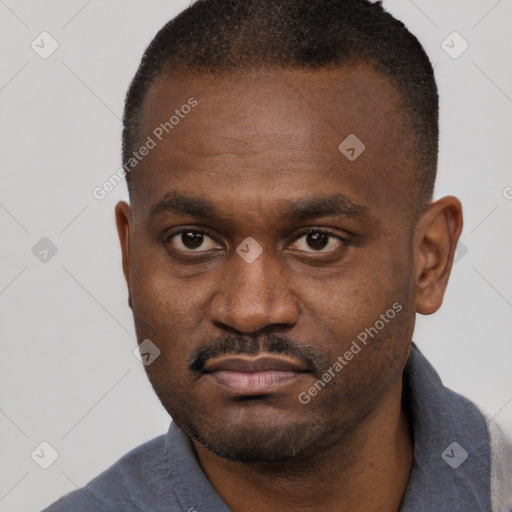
column 253, row 376
column 253, row 364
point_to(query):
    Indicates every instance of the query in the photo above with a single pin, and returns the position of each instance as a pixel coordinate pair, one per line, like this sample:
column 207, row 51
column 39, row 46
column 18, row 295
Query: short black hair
column 226, row 36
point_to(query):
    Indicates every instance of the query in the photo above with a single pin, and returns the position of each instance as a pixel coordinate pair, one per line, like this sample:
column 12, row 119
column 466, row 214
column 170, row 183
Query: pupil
column 317, row 240
column 192, row 240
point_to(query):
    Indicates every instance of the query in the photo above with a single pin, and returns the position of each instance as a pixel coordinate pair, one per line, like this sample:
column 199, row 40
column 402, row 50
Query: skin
column 253, row 144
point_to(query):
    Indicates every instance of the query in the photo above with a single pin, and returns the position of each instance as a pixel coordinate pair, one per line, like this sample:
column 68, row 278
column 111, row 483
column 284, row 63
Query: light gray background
column 68, row 375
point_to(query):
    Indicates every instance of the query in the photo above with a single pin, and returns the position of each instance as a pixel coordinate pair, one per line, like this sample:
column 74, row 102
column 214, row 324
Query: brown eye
column 192, row 241
column 318, row 241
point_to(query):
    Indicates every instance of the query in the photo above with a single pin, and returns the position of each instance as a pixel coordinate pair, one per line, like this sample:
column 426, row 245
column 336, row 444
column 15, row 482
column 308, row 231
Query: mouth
column 245, row 376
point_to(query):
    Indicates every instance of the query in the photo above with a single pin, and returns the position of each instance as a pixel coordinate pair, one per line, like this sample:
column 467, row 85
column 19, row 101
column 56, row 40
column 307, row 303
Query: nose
column 253, row 296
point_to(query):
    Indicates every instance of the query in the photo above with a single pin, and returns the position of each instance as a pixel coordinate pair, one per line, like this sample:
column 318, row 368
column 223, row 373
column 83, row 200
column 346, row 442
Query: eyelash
column 344, row 241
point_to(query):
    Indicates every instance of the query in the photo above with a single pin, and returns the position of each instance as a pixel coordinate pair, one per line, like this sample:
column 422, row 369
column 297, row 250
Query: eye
column 317, row 241
column 190, row 240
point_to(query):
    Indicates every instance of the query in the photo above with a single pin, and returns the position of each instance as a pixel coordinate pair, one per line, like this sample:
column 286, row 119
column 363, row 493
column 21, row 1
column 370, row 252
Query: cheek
column 367, row 353
column 360, row 293
column 156, row 293
column 361, row 305
column 159, row 308
column 171, row 312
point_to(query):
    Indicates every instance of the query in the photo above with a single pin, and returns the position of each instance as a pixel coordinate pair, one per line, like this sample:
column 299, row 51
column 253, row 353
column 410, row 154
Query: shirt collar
column 193, row 490
column 451, row 468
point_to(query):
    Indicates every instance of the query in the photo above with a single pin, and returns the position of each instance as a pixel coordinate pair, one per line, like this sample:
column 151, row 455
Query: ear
column 122, row 213
column 436, row 237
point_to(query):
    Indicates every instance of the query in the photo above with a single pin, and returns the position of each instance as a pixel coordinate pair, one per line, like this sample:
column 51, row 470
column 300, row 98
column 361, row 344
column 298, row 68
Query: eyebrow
column 302, row 209
column 322, row 206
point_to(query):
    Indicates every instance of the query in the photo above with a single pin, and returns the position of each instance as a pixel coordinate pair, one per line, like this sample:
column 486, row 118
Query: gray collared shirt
column 451, row 470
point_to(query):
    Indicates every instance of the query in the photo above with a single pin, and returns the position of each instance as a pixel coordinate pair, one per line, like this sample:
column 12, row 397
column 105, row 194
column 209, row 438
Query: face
column 258, row 256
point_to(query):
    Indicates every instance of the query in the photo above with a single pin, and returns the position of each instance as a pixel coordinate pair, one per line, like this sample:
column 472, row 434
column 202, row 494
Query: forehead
column 353, row 98
column 272, row 126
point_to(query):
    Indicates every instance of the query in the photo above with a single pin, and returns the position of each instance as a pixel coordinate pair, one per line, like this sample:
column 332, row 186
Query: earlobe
column 122, row 214
column 437, row 234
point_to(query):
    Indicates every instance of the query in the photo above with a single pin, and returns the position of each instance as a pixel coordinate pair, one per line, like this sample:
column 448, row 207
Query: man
column 280, row 239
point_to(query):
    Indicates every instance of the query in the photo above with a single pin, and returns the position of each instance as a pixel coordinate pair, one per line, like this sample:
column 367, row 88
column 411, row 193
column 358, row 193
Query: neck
column 368, row 471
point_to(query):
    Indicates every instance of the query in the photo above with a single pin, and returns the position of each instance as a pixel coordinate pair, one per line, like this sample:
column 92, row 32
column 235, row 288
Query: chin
column 258, row 441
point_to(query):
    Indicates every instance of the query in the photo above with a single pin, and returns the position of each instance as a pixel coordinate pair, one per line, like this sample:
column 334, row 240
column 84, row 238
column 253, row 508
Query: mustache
column 315, row 362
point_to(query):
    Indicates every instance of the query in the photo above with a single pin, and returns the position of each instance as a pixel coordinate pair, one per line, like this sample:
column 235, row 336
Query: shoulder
column 501, row 468
column 131, row 484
